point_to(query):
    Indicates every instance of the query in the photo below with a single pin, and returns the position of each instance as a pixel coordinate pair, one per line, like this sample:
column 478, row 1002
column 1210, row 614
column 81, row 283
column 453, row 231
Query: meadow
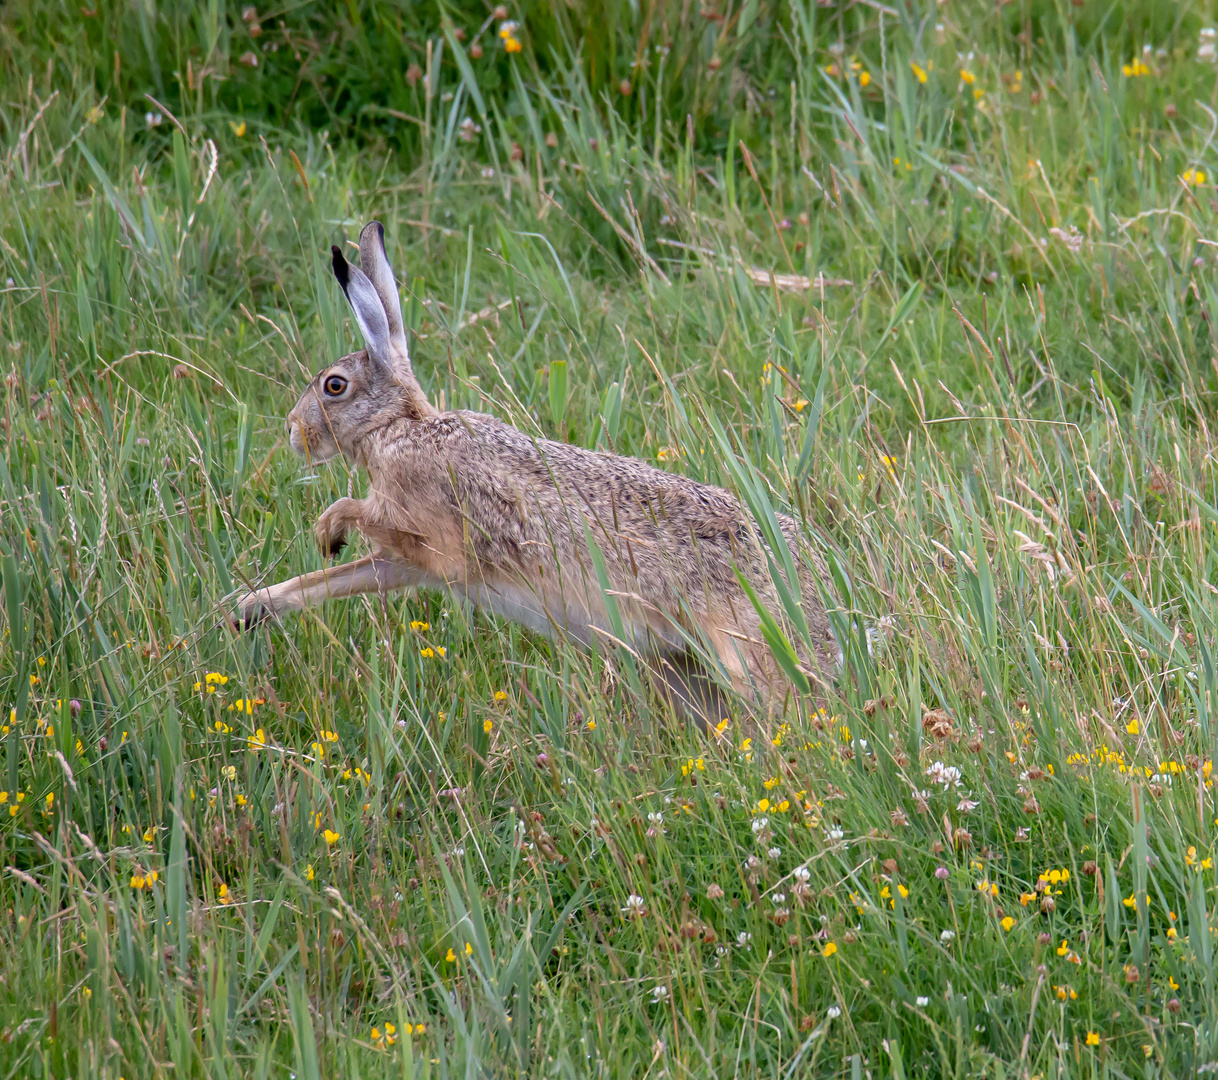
column 936, row 278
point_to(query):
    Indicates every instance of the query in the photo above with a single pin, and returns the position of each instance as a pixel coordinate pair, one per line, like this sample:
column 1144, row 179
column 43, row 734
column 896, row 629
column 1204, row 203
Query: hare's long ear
column 369, row 311
column 375, row 263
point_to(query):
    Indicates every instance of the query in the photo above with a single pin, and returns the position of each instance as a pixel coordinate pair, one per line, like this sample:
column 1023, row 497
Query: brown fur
column 464, row 502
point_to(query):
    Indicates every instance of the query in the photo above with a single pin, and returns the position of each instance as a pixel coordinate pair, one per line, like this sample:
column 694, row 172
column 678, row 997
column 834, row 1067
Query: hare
column 528, row 529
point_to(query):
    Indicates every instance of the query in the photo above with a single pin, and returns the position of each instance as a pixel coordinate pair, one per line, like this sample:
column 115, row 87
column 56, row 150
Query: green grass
column 1000, row 427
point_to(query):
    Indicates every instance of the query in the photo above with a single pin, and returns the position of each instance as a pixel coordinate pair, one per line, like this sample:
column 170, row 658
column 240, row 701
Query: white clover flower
column 778, row 898
column 760, row 823
column 833, row 1012
column 947, row 775
column 802, row 874
column 659, row 993
column 634, row 906
column 743, row 939
column 656, row 818
column 774, row 852
column 947, row 937
column 923, row 1002
column 835, row 834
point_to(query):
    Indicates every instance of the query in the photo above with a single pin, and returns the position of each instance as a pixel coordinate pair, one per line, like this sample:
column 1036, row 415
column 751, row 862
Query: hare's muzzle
column 294, row 433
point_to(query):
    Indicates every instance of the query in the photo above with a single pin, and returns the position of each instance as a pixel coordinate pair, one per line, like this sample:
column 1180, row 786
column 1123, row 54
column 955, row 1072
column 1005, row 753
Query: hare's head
column 364, row 390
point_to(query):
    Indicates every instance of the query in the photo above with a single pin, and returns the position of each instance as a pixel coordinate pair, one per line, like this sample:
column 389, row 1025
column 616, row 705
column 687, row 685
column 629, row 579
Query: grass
column 987, row 850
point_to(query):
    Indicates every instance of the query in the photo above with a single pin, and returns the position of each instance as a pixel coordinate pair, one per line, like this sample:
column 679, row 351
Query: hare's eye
column 335, row 385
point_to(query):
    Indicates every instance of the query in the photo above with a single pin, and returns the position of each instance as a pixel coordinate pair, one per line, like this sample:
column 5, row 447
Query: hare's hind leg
column 369, row 574
column 690, row 689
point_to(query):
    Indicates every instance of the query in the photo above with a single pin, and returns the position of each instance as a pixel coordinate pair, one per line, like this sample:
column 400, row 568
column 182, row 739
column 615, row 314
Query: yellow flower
column 591, row 725
column 1093, row 1038
column 1008, row 923
column 919, row 72
column 230, row 772
column 1132, row 726
column 1131, row 901
column 258, row 740
column 238, row 129
column 903, row 891
column 221, row 727
column 763, row 805
column 427, row 653
column 1063, row 948
column 1171, row 933
column 512, row 45
column 137, row 881
column 967, row 77
column 1131, row 71
column 419, row 627
column 783, row 806
column 330, row 736
column 309, row 875
column 864, row 80
column 330, row 836
column 319, row 750
column 451, row 957
column 1172, row 983
column 829, row 949
column 441, row 652
column 50, row 800
column 469, row 949
column 487, row 726
column 1026, row 898
column 222, row 894
column 149, row 834
column 768, row 784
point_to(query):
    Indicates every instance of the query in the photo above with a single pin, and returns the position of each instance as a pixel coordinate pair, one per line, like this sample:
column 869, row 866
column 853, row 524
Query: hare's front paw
column 252, row 608
column 335, row 523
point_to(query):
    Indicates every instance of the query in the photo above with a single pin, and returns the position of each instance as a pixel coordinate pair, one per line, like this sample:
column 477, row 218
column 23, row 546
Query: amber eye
column 334, row 385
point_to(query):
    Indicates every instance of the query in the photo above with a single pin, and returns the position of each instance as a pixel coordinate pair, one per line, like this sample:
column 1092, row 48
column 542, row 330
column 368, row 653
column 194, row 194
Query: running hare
column 463, row 502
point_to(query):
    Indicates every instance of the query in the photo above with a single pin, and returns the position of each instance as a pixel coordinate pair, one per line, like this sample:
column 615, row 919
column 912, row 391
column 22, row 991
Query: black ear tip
column 340, row 265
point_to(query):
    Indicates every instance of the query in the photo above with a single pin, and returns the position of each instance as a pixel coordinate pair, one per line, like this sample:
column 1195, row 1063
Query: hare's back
column 594, row 483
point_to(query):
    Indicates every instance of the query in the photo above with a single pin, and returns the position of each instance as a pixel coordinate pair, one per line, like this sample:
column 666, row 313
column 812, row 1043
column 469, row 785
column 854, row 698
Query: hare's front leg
column 336, row 521
column 366, row 575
